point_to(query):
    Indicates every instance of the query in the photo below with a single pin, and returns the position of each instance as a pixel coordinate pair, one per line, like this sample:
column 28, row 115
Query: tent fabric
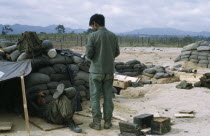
column 10, row 70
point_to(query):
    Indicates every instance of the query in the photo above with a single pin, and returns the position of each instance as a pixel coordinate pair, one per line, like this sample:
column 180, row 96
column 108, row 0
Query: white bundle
column 52, row 53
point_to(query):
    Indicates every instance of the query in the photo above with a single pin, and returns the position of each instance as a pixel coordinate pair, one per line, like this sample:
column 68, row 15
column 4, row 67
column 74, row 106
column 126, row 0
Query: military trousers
column 60, row 111
column 101, row 83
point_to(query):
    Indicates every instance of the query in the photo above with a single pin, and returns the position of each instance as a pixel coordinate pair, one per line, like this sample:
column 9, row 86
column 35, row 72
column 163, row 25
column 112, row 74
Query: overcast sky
column 121, row 15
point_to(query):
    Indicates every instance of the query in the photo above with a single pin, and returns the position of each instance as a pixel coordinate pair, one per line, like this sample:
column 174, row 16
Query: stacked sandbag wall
column 198, row 53
column 48, row 73
column 129, row 68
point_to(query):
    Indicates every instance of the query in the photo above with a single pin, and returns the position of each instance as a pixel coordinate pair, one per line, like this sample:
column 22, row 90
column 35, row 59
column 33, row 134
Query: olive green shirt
column 102, row 48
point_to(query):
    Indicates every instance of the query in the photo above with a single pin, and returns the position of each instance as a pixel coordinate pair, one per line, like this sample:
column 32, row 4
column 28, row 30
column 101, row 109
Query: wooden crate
column 127, row 128
column 143, row 120
column 161, row 125
column 121, row 84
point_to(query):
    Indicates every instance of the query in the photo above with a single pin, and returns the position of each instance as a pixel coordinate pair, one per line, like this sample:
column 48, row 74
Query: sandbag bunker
column 198, row 53
column 49, row 67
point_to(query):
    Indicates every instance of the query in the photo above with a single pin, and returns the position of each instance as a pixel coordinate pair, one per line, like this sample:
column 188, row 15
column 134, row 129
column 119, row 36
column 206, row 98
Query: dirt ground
column 159, row 99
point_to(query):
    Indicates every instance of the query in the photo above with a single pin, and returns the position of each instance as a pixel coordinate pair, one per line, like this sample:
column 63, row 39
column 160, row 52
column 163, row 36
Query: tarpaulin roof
column 10, row 70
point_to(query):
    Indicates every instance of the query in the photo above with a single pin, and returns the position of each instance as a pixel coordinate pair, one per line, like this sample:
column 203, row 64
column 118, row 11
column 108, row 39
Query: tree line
column 65, row 40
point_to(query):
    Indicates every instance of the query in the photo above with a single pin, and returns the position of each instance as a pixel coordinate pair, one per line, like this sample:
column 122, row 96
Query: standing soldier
column 102, row 49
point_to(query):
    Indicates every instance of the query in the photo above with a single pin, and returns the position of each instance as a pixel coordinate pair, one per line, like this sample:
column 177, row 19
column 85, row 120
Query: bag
column 30, row 43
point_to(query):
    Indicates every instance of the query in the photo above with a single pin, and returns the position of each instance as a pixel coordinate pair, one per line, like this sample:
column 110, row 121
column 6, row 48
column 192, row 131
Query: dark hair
column 97, row 18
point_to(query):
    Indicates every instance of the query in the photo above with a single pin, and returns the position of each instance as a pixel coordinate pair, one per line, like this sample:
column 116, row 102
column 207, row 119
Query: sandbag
column 66, row 83
column 39, row 62
column 52, row 91
column 203, row 53
column 185, row 56
column 177, row 58
column 203, row 65
column 132, row 74
column 47, row 70
column 79, row 82
column 202, row 57
column 77, row 59
column 59, row 68
column 190, row 47
column 186, row 53
column 160, row 75
column 82, row 76
column 52, row 53
column 194, row 52
column 36, row 88
column 10, row 49
column 185, row 59
column 5, row 44
column 204, row 43
column 23, row 56
column 203, row 61
column 194, row 60
column 160, row 70
column 119, row 66
column 203, row 48
column 150, row 71
column 133, row 62
column 193, row 57
column 137, row 66
column 128, row 70
column 82, row 94
column 59, row 59
column 59, row 77
column 80, row 88
column 36, row 78
column 184, row 85
column 149, row 75
column 14, row 55
column 73, row 67
column 127, row 66
column 52, row 85
column 197, row 84
column 118, row 63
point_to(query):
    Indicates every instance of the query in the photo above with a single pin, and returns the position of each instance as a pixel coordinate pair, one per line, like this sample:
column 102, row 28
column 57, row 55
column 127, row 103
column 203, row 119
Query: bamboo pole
column 25, row 103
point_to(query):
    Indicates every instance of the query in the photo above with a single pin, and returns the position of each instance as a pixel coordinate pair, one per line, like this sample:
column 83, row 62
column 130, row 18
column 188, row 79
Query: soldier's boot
column 59, row 91
column 96, row 124
column 72, row 125
column 107, row 124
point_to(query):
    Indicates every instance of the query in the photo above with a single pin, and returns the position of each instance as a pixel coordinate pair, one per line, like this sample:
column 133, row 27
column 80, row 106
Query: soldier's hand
column 41, row 100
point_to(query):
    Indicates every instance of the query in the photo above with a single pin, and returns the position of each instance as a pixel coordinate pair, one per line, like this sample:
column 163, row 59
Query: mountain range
column 18, row 29
column 166, row 31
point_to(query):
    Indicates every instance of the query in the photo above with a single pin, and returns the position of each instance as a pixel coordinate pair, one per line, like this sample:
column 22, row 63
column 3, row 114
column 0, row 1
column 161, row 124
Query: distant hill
column 166, row 31
column 18, row 29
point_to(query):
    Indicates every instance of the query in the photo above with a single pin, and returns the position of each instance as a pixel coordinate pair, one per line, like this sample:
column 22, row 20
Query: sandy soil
column 159, row 99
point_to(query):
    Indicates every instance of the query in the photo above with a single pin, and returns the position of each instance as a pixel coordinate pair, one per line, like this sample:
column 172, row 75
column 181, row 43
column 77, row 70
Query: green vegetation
column 64, row 40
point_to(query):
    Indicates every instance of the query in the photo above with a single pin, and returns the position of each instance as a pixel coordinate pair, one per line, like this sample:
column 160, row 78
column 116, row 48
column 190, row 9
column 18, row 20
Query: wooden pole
column 25, row 103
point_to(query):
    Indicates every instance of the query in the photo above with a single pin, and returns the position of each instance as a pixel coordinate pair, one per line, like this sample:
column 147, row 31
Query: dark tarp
column 10, row 70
